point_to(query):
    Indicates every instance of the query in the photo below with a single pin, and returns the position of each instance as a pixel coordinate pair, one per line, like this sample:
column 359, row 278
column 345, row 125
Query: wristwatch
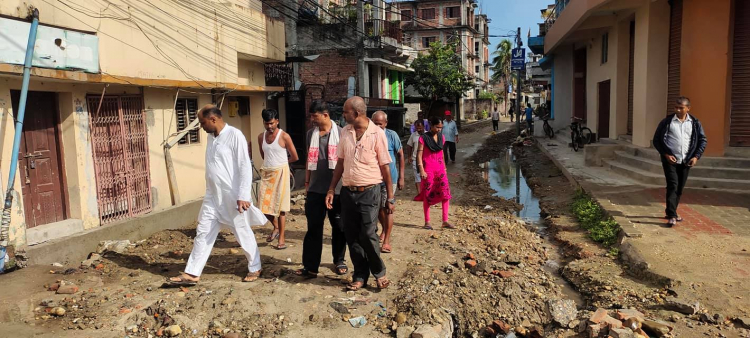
column 392, row 200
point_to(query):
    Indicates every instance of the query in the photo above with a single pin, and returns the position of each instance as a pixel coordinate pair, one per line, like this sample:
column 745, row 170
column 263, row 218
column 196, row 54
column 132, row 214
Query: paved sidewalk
column 706, row 257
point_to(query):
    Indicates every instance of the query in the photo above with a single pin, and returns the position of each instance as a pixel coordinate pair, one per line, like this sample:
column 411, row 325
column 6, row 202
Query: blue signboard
column 518, row 59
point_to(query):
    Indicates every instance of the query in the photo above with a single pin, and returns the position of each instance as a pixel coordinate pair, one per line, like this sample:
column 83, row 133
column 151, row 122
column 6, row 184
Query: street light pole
column 518, row 88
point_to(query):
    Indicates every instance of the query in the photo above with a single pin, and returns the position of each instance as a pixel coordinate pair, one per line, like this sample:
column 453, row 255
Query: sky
column 508, row 15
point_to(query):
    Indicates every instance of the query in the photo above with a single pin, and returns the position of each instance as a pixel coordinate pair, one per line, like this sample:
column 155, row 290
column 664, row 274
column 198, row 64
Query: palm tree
column 501, row 65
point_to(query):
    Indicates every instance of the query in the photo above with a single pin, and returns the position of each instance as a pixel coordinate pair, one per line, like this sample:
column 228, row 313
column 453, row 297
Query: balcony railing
column 391, row 29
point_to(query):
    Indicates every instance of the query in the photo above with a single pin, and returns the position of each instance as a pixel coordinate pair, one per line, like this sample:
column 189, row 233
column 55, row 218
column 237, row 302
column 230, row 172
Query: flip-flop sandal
column 281, row 247
column 274, row 235
column 672, row 222
column 383, row 283
column 449, row 226
column 251, row 276
column 306, row 273
column 679, row 219
column 355, row 286
column 341, row 269
column 383, row 249
column 182, row 281
column 427, row 227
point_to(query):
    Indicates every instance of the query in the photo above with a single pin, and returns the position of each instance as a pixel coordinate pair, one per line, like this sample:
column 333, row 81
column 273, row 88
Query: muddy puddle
column 504, row 175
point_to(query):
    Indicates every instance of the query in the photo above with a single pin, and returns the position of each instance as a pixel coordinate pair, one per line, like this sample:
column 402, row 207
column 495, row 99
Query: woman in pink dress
column 431, row 166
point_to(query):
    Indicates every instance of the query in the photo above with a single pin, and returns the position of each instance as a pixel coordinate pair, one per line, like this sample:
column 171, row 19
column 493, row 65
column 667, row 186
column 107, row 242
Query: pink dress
column 435, row 188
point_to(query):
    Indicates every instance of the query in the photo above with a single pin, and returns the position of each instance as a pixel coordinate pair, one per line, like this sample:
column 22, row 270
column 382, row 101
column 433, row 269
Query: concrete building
column 620, row 64
column 110, row 83
column 449, row 21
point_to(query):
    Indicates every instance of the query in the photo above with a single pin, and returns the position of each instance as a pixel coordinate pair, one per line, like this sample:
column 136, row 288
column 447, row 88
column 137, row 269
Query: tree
column 501, row 65
column 439, row 74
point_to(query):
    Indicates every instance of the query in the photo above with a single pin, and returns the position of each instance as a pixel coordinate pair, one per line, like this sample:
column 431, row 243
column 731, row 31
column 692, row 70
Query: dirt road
column 494, row 267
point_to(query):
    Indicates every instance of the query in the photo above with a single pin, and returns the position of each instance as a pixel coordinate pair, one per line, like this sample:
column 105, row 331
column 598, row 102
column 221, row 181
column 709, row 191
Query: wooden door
column 39, row 162
column 603, row 128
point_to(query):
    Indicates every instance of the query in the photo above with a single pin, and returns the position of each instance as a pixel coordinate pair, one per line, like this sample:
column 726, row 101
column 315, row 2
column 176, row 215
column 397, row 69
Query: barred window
column 187, row 111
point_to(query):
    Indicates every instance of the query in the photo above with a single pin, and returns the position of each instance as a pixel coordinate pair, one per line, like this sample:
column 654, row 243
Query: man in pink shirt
column 363, row 165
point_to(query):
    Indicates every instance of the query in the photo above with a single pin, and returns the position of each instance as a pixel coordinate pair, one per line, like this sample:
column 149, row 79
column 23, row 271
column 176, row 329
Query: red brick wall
column 332, row 69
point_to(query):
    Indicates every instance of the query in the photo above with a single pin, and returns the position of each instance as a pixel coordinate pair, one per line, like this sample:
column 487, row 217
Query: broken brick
column 67, row 289
column 597, row 317
column 53, row 287
column 506, row 274
column 470, row 264
column 470, row 256
column 624, row 314
column 611, row 322
column 593, row 330
column 501, row 326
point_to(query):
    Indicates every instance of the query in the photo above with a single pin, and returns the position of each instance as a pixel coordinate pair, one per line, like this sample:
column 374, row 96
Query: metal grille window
column 187, row 112
column 453, row 12
column 427, row 41
column 428, row 14
column 605, row 47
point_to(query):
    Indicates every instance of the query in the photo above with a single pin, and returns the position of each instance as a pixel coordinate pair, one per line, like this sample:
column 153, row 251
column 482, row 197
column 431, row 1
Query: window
column 427, row 41
column 453, row 12
column 476, row 48
column 187, row 112
column 476, row 93
column 476, row 68
column 605, row 47
column 428, row 14
column 405, row 15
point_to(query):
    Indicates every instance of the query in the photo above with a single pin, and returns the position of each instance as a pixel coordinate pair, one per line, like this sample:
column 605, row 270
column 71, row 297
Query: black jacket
column 698, row 139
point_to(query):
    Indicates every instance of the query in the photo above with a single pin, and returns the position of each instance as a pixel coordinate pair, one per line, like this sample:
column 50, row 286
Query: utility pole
column 519, row 44
column 361, row 66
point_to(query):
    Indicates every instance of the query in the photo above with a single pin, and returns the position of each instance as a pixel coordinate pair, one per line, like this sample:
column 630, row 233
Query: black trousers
column 676, row 176
column 312, row 247
column 449, row 150
column 359, row 213
column 494, row 125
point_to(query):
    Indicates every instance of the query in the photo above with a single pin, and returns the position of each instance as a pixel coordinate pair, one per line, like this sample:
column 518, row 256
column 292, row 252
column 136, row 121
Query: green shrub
column 601, row 228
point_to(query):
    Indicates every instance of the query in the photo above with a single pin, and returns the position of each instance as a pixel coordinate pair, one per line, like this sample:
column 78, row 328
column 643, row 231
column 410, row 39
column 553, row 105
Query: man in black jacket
column 680, row 140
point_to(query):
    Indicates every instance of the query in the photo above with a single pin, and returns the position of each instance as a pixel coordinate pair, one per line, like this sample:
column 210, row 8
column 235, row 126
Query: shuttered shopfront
column 739, row 125
column 675, row 40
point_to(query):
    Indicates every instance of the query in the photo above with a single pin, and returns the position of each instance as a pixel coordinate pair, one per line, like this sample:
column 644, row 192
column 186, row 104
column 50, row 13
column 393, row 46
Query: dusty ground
column 435, row 282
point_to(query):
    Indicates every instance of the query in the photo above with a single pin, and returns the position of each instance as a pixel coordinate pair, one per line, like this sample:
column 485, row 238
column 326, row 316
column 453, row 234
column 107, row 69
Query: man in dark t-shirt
column 322, row 142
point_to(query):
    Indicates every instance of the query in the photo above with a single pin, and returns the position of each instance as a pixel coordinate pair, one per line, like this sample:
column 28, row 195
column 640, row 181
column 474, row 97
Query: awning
column 546, row 62
column 387, row 64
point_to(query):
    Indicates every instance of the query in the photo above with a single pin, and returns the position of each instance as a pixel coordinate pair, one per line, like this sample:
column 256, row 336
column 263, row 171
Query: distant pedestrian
column 420, row 120
column 322, row 156
column 227, row 201
column 680, row 140
column 396, row 151
column 529, row 117
column 450, row 134
column 362, row 165
column 432, row 169
column 511, row 112
column 411, row 149
column 275, row 191
column 495, row 119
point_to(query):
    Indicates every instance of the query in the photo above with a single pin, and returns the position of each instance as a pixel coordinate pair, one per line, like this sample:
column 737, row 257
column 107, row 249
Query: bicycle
column 547, row 128
column 579, row 135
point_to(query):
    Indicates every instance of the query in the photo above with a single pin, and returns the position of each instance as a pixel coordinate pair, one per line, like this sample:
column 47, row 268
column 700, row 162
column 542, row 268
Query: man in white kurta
column 227, row 200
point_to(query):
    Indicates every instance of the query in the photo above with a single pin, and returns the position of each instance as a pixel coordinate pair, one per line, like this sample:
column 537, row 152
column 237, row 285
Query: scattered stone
column 658, row 329
column 232, row 335
column 57, row 265
column 501, row 326
column 58, row 311
column 743, row 322
column 680, row 306
column 173, row 331
column 563, row 311
column 358, row 322
column 340, row 308
column 228, row 301
column 68, row 289
column 706, row 318
column 234, row 251
column 115, row 246
column 633, row 323
column 427, row 331
column 622, row 333
column 404, row 331
column 400, row 318
column 593, row 330
column 181, row 294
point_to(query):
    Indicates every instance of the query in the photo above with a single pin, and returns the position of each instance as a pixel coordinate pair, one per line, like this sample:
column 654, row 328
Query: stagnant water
column 505, row 176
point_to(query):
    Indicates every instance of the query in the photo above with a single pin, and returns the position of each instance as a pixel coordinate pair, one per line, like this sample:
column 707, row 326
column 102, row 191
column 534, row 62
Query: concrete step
column 701, row 170
column 651, row 178
column 712, row 162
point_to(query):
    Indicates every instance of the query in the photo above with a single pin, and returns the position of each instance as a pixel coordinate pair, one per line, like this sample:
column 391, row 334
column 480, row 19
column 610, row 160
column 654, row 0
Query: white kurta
column 228, row 179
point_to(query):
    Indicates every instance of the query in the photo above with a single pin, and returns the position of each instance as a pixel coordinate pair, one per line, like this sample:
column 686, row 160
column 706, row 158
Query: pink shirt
column 362, row 160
